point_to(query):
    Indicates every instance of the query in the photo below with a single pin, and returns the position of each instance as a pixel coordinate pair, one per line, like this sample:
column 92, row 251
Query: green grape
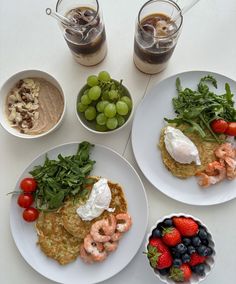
column 92, row 80
column 105, row 96
column 104, row 76
column 101, row 128
column 113, row 95
column 90, row 113
column 110, row 110
column 85, row 100
column 81, row 107
column 86, row 92
column 112, row 123
column 101, row 119
column 101, row 105
column 94, row 93
column 127, row 100
column 122, row 108
column 113, row 87
column 120, row 119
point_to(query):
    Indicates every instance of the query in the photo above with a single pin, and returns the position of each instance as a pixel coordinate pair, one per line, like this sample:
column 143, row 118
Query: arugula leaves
column 198, row 108
column 66, row 176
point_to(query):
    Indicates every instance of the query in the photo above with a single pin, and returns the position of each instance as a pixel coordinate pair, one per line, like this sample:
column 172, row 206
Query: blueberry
column 205, row 242
column 177, row 262
column 202, row 234
column 164, row 271
column 191, row 249
column 186, row 258
column 181, row 248
column 168, row 223
column 175, row 253
column 160, row 226
column 199, row 269
column 156, row 233
column 196, row 241
column 209, row 251
column 186, row 241
column 202, row 250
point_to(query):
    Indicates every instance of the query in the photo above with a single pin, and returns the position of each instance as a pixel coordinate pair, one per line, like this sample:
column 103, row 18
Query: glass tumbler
column 157, row 30
column 86, row 36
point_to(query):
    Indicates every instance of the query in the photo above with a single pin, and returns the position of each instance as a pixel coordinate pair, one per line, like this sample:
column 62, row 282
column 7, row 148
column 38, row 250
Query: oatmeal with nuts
column 34, row 106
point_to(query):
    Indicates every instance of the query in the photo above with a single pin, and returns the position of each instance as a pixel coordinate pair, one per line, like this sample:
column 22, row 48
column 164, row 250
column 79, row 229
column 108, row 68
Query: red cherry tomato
column 28, row 184
column 30, row 214
column 231, row 130
column 25, row 200
column 219, row 125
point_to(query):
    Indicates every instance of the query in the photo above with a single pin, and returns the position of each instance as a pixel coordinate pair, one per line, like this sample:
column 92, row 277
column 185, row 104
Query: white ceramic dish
column 210, row 261
column 108, row 164
column 148, row 122
column 90, row 125
column 9, row 84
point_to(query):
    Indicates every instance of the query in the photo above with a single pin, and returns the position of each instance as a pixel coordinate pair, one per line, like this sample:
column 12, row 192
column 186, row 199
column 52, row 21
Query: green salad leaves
column 66, row 176
column 198, row 108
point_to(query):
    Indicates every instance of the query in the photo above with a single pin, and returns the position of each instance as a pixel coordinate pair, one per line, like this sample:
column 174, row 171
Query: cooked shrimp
column 211, row 168
column 225, row 150
column 116, row 236
column 206, row 180
column 110, row 226
column 100, row 256
column 230, row 168
column 86, row 257
column 97, row 229
column 126, row 222
column 110, row 246
column 90, row 245
column 95, row 249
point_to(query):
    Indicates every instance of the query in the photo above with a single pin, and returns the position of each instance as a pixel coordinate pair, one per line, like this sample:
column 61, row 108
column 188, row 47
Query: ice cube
column 90, row 35
column 146, row 36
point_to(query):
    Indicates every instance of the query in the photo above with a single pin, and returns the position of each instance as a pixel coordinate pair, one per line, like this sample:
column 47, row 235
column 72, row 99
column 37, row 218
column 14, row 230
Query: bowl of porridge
column 32, row 104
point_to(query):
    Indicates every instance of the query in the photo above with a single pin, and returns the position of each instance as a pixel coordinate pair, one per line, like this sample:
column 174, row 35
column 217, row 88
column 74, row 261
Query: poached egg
column 180, row 147
column 98, row 201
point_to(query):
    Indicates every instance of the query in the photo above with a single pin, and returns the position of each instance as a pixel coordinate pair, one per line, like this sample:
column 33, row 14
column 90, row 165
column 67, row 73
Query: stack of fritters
column 61, row 233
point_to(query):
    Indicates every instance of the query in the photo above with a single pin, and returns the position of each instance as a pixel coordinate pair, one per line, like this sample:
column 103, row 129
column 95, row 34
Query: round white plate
column 147, row 124
column 108, row 164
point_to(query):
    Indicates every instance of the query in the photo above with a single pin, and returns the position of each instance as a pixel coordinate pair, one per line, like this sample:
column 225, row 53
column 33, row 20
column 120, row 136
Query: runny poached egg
column 180, row 147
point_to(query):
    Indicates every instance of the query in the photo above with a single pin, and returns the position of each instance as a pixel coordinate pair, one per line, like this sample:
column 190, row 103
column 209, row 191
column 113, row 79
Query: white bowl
column 91, row 125
column 209, row 263
column 9, row 84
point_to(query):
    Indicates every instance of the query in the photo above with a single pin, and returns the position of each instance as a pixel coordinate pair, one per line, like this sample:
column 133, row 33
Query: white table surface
column 30, row 39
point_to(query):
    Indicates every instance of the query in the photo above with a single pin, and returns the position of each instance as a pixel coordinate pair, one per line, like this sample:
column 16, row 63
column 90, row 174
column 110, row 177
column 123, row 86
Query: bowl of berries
column 104, row 105
column 180, row 248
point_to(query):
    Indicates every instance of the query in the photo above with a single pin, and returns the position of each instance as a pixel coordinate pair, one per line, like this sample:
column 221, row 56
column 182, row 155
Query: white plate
column 149, row 120
column 108, row 164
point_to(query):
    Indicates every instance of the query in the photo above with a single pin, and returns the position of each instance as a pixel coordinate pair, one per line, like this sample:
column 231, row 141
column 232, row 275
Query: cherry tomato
column 28, row 184
column 25, row 200
column 30, row 214
column 231, row 130
column 219, row 125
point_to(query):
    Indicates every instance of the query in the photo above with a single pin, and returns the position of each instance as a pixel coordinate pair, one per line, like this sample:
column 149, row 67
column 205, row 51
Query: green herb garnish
column 198, row 108
column 66, row 176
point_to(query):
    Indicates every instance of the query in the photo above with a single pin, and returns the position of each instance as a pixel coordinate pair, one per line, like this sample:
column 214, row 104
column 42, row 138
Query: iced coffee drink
column 86, row 38
column 156, row 35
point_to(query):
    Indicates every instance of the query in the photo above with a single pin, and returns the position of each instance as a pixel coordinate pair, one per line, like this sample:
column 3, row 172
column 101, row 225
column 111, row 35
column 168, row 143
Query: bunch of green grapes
column 105, row 102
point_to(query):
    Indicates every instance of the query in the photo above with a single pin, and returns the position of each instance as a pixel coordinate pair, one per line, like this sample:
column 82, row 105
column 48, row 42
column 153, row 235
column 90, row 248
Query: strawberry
column 186, row 226
column 196, row 259
column 181, row 274
column 171, row 236
column 159, row 254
